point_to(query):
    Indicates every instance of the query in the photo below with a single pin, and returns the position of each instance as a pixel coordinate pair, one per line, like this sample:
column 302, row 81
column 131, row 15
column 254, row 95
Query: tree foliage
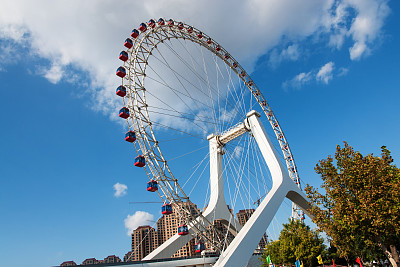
column 360, row 208
column 296, row 241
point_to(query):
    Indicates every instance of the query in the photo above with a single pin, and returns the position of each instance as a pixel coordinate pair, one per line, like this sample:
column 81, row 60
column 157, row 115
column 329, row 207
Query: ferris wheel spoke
column 203, row 80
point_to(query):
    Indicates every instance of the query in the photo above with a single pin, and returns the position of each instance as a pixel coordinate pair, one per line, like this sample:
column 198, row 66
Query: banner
column 268, row 259
column 358, row 261
column 319, row 258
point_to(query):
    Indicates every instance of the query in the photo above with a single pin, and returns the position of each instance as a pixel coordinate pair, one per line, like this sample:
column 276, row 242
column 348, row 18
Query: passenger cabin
column 226, row 56
column 130, row 136
column 183, row 229
column 121, row 91
column 250, row 83
column 218, row 48
column 135, row 33
column 190, row 29
column 166, row 209
column 121, row 72
column 128, row 43
column 152, row 186
column 243, row 73
column 124, row 113
column 170, row 22
column 180, row 25
column 209, row 41
column 199, row 247
column 142, row 27
column 151, row 23
column 160, row 22
column 200, row 35
column 123, row 56
column 234, row 64
column 140, row 161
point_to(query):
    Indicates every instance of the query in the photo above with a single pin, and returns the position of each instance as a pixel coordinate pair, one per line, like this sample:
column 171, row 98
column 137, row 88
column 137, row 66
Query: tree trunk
column 387, row 253
column 395, row 255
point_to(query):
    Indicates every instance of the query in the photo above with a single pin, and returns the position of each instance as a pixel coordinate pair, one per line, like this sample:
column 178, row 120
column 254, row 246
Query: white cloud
column 364, row 28
column 120, row 190
column 137, row 219
column 325, row 73
column 54, row 74
column 87, row 36
column 292, row 53
column 299, row 80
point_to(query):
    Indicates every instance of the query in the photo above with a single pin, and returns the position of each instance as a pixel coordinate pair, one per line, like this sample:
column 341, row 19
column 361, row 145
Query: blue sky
column 329, row 75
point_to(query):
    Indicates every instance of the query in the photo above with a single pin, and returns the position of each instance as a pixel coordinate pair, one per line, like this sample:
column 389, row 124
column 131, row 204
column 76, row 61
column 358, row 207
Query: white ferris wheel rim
column 157, row 166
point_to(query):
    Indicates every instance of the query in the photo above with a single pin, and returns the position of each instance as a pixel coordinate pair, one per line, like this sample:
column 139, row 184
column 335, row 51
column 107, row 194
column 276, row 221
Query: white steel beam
column 240, row 250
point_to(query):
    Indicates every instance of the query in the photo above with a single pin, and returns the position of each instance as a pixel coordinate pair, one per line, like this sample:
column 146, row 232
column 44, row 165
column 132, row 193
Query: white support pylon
column 242, row 247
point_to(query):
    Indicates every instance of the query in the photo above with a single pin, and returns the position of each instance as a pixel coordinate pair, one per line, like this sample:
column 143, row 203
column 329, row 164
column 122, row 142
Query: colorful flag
column 268, row 259
column 319, row 258
column 297, row 263
column 358, row 261
column 333, row 263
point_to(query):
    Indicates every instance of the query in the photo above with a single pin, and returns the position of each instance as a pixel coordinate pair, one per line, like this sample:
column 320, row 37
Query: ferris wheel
column 192, row 112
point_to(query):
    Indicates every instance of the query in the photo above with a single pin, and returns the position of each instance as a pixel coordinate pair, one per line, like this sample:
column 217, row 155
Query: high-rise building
column 144, row 241
column 243, row 216
column 167, row 226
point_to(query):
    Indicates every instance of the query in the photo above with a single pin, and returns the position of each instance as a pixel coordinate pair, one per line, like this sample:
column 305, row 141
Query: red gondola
column 128, row 43
column 134, row 33
column 234, row 64
column 227, row 56
column 209, row 41
column 180, row 25
column 140, row 161
column 170, row 22
column 121, row 91
column 257, row 92
column 264, row 103
column 161, row 21
column 250, row 83
column 152, row 186
column 303, row 217
column 200, row 35
column 217, row 48
column 142, row 27
column 121, row 72
column 166, row 209
column 276, row 125
column 183, row 230
column 152, row 23
column 199, row 247
column 190, row 29
column 123, row 56
column 130, row 136
column 124, row 113
column 243, row 73
column 270, row 114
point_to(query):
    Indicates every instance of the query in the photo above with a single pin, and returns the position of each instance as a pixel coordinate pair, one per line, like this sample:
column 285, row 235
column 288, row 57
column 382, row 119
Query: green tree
column 360, row 207
column 296, row 241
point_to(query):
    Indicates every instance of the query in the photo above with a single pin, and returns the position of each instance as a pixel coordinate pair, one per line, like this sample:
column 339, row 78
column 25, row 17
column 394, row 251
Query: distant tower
column 144, row 241
column 243, row 216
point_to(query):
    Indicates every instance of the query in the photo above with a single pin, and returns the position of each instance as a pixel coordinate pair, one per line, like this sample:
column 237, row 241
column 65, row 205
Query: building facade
column 144, row 241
